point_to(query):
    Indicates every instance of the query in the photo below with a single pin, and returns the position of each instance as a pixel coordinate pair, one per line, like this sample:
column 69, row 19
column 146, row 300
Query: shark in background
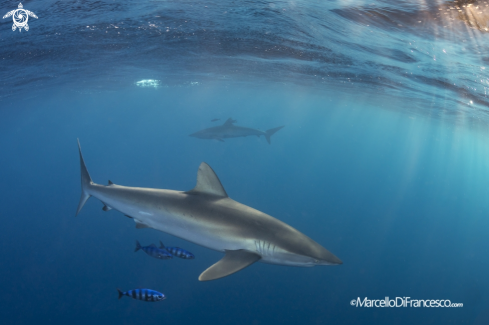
column 229, row 130
column 206, row 216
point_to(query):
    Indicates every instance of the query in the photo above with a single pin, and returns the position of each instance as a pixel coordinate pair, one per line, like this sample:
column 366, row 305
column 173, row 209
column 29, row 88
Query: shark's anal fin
column 232, row 262
column 208, row 182
column 140, row 225
column 106, row 208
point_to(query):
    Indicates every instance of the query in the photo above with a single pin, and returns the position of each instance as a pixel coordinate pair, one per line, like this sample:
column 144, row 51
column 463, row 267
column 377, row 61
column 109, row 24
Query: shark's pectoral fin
column 140, row 225
column 208, row 182
column 232, row 262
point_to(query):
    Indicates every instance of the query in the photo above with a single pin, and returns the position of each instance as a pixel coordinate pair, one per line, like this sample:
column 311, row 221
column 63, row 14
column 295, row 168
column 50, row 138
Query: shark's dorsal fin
column 161, row 245
column 229, row 122
column 208, row 182
column 232, row 262
column 110, row 182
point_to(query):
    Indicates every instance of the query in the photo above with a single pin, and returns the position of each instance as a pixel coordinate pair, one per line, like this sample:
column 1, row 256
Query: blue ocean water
column 383, row 159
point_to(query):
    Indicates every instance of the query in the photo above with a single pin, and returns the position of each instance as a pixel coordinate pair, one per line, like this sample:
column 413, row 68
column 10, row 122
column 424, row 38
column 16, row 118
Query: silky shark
column 229, row 130
column 206, row 216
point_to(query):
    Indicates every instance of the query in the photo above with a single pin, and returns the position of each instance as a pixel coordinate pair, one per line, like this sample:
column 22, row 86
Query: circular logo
column 20, row 18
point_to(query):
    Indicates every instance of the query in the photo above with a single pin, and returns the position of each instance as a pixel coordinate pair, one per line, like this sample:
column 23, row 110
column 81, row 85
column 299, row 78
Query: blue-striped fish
column 153, row 251
column 178, row 252
column 143, row 294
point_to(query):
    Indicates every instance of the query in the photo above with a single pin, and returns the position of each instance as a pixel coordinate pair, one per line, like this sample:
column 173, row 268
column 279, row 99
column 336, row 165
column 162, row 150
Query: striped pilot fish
column 143, row 294
column 153, row 251
column 178, row 252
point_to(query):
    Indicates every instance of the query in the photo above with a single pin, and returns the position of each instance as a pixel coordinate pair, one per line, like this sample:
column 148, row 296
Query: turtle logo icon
column 20, row 17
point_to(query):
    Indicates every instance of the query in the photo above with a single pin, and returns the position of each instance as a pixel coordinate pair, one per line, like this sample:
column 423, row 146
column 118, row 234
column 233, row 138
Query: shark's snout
column 323, row 256
column 335, row 260
column 329, row 258
column 198, row 134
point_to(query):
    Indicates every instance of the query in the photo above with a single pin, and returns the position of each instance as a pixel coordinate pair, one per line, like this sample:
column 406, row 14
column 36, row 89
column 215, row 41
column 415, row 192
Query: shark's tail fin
column 86, row 181
column 120, row 293
column 269, row 133
column 138, row 246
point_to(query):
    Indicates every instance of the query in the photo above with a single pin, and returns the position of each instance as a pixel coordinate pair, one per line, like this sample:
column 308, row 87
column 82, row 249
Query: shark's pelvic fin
column 86, row 181
column 208, row 182
column 140, row 225
column 232, row 262
column 269, row 133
